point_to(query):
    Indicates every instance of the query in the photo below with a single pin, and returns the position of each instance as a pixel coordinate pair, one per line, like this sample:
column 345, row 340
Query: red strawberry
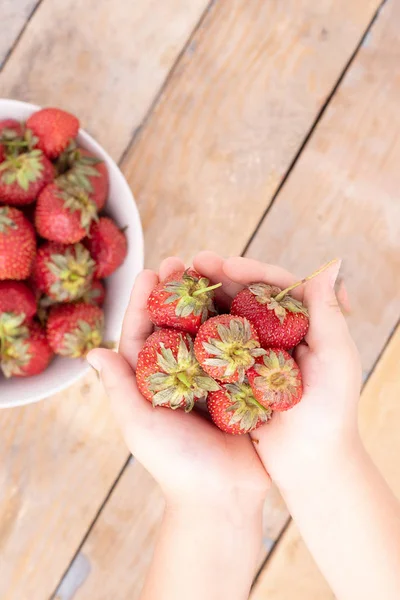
column 83, row 169
column 26, row 355
column 17, row 307
column 276, row 380
column 235, row 410
column 17, row 244
column 75, row 329
column 54, row 128
column 281, row 321
column 11, row 133
column 17, row 298
column 63, row 273
column 184, row 300
column 168, row 373
column 96, row 293
column 107, row 246
column 64, row 213
column 226, row 346
column 23, row 176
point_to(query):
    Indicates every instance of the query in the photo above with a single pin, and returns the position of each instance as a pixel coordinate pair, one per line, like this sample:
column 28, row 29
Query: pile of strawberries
column 55, row 247
column 238, row 362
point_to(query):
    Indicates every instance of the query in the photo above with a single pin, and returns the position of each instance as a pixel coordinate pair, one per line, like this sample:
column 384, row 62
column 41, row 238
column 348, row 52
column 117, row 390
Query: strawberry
column 54, row 129
column 96, row 293
column 168, row 373
column 17, row 298
column 17, row 307
column 75, row 329
column 280, row 320
column 11, row 132
column 17, row 244
column 107, row 246
column 226, row 346
column 276, row 380
column 83, row 169
column 184, row 300
column 23, row 176
column 63, row 273
column 26, row 355
column 235, row 410
column 64, row 213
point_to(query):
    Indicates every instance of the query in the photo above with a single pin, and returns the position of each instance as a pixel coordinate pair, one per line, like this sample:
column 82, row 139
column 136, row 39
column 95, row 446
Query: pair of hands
column 192, row 460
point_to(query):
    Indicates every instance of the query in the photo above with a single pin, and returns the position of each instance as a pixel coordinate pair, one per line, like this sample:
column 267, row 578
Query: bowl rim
column 86, row 137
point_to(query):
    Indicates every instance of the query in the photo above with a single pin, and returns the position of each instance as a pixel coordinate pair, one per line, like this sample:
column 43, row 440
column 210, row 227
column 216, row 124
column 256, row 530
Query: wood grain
column 233, row 117
column 13, row 17
column 291, row 572
column 342, row 198
column 59, row 458
column 129, row 521
column 105, row 64
column 202, row 131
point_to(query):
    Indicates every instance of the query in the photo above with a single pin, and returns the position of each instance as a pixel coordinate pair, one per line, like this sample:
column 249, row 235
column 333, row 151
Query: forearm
column 204, row 554
column 350, row 521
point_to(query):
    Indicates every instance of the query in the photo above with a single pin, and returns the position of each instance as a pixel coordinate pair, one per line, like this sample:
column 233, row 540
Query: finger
column 327, row 323
column 169, row 265
column 129, row 406
column 137, row 325
column 300, row 354
column 210, row 265
column 244, row 271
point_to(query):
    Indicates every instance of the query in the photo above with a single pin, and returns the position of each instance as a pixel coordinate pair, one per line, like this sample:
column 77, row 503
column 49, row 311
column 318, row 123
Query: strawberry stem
column 184, row 379
column 283, row 293
column 207, row 289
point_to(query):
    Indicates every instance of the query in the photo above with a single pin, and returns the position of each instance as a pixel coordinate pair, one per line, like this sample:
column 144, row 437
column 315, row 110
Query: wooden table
column 264, row 128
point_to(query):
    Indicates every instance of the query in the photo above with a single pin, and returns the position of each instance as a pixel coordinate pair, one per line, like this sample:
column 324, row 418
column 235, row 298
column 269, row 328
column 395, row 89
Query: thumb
column 129, row 406
column 327, row 324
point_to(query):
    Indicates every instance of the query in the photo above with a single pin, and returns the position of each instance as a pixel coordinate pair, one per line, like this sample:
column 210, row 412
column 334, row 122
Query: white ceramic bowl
column 62, row 372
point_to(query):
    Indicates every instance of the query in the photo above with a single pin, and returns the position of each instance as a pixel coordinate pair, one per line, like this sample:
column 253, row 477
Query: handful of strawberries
column 239, row 362
column 55, row 246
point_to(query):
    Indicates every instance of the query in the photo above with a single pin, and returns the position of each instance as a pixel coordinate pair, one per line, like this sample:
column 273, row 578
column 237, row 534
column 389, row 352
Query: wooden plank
column 207, row 150
column 59, row 458
column 342, row 197
column 104, row 64
column 233, row 117
column 291, row 572
column 13, row 17
column 133, row 514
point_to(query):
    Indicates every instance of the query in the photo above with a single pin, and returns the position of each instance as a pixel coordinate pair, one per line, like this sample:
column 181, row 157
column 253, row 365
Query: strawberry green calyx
column 11, row 327
column 17, row 141
column 82, row 339
column 277, row 376
column 6, row 223
column 269, row 294
column 236, row 350
column 22, row 169
column 77, row 199
column 246, row 410
column 77, row 168
column 194, row 296
column 181, row 379
column 15, row 355
column 73, row 271
column 279, row 300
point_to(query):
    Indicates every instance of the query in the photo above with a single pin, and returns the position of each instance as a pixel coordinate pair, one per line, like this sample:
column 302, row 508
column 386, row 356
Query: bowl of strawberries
column 71, row 244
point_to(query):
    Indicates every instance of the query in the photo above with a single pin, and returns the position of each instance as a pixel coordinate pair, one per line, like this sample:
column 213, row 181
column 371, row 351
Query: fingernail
column 334, row 272
column 94, row 362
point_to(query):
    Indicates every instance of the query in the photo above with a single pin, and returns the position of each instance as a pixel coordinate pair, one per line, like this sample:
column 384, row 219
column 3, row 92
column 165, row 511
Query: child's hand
column 191, row 459
column 325, row 421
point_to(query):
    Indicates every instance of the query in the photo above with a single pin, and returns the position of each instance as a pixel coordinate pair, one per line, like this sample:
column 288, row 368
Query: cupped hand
column 189, row 457
column 326, row 417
